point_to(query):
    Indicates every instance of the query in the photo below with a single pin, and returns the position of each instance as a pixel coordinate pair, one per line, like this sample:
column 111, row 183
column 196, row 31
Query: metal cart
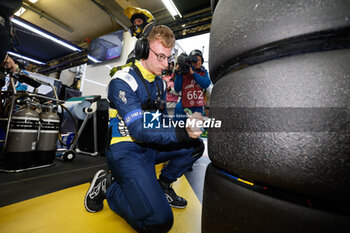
column 10, row 98
column 89, row 111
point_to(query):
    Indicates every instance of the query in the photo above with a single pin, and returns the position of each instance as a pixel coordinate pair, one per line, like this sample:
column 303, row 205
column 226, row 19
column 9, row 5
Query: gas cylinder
column 22, row 136
column 46, row 146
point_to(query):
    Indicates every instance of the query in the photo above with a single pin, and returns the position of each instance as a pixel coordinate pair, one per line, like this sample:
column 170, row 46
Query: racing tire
column 286, row 123
column 231, row 206
column 248, row 32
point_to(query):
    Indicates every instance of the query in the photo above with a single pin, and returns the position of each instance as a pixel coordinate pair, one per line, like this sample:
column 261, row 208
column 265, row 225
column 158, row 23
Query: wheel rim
column 70, row 156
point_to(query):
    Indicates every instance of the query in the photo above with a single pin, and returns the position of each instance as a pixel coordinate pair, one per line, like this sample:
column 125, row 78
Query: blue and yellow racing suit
column 134, row 150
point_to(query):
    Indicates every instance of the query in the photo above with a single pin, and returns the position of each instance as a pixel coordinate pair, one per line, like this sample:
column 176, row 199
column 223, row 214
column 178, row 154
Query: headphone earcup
column 142, row 49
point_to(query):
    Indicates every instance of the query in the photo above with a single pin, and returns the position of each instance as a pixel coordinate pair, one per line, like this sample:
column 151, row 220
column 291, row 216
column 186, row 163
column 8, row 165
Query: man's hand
column 194, row 132
column 191, row 70
column 10, row 64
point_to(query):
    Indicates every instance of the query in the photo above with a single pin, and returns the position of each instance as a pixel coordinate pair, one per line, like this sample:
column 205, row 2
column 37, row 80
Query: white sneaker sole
column 178, row 207
column 174, row 206
column 97, row 175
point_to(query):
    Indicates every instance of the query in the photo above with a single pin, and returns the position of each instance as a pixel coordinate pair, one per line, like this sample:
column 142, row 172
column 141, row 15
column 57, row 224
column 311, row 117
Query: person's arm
column 128, row 105
column 7, row 9
column 203, row 81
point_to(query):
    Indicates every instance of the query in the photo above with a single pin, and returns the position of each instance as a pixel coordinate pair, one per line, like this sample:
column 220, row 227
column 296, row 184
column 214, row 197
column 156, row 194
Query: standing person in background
column 140, row 19
column 7, row 9
column 192, row 85
column 134, row 93
column 171, row 95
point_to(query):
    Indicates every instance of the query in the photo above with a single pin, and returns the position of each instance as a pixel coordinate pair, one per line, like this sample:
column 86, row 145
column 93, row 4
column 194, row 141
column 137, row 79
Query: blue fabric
column 21, row 87
column 131, row 103
column 133, row 116
column 136, row 195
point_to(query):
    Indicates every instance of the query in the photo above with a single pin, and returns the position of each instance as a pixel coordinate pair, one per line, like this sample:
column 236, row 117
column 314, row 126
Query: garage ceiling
column 78, row 21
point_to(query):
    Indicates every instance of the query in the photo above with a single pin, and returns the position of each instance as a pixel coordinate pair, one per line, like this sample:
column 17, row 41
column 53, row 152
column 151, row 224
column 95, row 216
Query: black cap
column 197, row 52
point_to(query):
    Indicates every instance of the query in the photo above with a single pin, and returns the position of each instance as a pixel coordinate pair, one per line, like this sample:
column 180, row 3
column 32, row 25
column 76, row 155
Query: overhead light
column 37, row 31
column 93, row 59
column 33, row 1
column 20, row 11
column 58, row 41
column 171, row 8
column 26, row 58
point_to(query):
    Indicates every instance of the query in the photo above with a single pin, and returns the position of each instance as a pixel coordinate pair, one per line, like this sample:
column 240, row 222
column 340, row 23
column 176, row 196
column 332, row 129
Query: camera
column 154, row 105
column 185, row 62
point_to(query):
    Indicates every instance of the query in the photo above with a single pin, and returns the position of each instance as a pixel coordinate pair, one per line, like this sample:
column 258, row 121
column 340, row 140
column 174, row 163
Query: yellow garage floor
column 64, row 211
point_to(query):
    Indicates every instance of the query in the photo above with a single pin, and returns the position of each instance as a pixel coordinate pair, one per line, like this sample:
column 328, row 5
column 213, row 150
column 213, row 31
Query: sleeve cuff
column 182, row 135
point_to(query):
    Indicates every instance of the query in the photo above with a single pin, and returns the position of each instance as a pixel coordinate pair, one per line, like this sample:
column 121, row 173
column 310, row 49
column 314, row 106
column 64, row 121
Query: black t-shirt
column 7, row 8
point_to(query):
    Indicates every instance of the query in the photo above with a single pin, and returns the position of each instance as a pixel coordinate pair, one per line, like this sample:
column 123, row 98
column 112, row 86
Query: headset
column 142, row 45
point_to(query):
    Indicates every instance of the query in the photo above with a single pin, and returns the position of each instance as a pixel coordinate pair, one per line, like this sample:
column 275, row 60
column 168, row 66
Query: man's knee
column 163, row 224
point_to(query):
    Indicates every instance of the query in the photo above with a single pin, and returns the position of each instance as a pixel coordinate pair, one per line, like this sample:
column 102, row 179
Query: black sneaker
column 173, row 199
column 97, row 191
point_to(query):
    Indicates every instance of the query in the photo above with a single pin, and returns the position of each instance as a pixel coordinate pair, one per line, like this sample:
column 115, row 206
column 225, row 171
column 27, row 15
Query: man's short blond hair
column 164, row 35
